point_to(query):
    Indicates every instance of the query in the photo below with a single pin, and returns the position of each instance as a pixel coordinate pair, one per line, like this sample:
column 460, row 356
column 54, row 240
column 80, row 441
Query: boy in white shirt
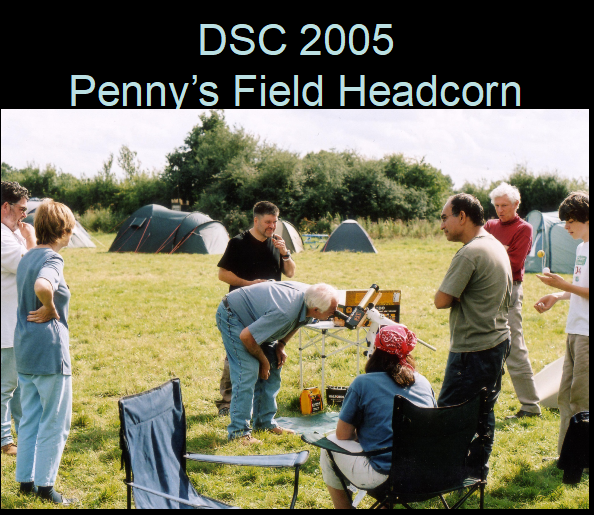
column 574, row 391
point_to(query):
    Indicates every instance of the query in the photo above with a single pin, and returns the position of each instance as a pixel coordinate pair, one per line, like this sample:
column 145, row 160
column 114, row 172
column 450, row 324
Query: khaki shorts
column 357, row 470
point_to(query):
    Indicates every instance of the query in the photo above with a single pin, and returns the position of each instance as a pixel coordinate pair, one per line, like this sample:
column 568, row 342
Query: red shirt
column 517, row 235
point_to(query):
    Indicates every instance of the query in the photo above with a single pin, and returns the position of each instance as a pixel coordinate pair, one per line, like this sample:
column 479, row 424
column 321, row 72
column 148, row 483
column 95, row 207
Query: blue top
column 369, row 404
column 42, row 349
column 270, row 310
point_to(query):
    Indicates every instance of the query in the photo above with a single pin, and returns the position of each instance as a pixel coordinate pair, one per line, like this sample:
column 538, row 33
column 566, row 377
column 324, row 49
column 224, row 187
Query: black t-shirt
column 250, row 259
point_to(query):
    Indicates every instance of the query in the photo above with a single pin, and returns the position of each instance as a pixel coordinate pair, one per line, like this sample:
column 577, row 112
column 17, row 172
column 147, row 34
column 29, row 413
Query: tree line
column 223, row 171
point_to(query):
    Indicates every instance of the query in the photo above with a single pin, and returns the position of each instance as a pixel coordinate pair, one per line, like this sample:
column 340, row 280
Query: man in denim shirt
column 251, row 320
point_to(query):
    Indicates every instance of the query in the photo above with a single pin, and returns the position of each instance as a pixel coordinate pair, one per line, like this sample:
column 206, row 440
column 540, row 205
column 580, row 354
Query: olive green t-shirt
column 480, row 276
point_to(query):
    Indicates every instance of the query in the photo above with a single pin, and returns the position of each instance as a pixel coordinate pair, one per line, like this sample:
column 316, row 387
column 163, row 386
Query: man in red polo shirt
column 516, row 236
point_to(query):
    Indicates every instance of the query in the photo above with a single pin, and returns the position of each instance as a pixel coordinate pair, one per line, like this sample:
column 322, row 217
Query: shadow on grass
column 528, row 485
column 93, row 438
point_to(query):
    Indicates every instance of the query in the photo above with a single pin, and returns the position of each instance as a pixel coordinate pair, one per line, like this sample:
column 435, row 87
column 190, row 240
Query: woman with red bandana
column 366, row 413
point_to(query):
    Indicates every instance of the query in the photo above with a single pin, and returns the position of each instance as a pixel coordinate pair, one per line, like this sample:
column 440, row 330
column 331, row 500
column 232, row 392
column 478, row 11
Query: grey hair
column 505, row 190
column 320, row 296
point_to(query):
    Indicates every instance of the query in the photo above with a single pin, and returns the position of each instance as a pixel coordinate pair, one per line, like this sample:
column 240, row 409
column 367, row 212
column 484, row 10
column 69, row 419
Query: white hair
column 505, row 190
column 320, row 296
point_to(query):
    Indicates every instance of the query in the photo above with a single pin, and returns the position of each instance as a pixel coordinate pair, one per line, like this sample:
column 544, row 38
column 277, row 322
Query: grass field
column 137, row 320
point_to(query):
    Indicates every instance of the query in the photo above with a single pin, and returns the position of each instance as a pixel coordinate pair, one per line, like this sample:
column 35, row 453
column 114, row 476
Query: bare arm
column 45, row 293
column 289, row 267
column 254, row 349
column 230, row 278
column 28, row 233
column 443, row 300
column 556, row 281
column 345, row 431
column 548, row 301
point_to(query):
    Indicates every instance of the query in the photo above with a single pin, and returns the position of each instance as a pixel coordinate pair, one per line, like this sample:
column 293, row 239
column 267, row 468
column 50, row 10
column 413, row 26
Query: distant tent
column 155, row 229
column 286, row 230
column 549, row 235
column 80, row 237
column 349, row 235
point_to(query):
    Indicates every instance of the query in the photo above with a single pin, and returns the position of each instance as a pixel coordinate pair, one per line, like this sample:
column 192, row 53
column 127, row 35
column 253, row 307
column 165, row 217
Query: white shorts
column 357, row 470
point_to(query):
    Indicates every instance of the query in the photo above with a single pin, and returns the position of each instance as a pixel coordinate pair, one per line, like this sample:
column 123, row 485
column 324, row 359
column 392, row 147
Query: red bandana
column 396, row 339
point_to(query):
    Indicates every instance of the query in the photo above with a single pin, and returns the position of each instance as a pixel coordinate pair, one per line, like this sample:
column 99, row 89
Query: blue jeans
column 465, row 375
column 47, row 412
column 10, row 396
column 252, row 398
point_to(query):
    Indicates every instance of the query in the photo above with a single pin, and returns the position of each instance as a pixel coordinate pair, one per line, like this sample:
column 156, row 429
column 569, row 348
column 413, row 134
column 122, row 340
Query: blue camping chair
column 153, row 444
column 432, row 460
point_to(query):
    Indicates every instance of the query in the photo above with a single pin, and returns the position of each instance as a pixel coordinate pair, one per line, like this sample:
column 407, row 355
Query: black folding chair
column 153, row 444
column 430, row 459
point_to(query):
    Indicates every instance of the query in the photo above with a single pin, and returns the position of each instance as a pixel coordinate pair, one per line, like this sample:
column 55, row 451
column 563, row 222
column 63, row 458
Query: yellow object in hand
column 540, row 253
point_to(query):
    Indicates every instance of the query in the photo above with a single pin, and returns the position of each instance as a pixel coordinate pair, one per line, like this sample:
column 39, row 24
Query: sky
column 466, row 144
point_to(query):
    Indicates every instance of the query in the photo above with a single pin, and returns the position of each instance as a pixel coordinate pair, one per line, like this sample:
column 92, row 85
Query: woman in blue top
column 41, row 345
column 366, row 413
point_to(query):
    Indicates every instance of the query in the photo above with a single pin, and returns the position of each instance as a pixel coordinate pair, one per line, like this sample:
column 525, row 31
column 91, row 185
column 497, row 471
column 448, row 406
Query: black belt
column 226, row 302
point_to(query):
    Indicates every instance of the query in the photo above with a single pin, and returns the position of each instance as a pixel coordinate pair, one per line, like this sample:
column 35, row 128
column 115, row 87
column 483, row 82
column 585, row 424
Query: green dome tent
column 155, row 229
column 80, row 237
column 549, row 234
column 288, row 232
column 350, row 236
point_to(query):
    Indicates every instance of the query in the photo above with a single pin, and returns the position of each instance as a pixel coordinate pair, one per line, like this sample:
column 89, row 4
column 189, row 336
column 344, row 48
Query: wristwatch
column 287, row 256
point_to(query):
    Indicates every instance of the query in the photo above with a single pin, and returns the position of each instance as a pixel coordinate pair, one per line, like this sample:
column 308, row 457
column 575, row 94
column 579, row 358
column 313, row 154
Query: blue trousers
column 47, row 412
column 465, row 375
column 10, row 396
column 252, row 398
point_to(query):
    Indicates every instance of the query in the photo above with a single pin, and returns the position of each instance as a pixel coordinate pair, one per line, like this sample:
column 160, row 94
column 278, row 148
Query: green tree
column 420, row 176
column 209, row 150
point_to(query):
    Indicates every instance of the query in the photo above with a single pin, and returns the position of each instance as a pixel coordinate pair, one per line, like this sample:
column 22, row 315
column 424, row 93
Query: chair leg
column 295, row 488
column 482, row 494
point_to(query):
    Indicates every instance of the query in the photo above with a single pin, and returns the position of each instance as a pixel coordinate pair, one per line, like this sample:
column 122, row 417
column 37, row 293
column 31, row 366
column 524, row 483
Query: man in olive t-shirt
column 477, row 289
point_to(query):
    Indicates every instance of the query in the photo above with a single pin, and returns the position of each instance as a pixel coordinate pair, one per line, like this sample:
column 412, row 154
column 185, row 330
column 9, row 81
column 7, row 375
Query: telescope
column 366, row 310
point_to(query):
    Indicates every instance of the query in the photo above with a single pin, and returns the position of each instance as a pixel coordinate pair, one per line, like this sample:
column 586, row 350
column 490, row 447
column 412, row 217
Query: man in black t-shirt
column 252, row 257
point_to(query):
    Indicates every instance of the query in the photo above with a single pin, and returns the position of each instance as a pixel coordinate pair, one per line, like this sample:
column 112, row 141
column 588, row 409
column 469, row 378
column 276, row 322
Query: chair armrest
column 321, row 441
column 276, row 460
column 170, row 497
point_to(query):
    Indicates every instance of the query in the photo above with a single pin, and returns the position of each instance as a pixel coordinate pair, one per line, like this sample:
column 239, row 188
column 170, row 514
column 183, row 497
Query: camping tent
column 549, row 235
column 287, row 232
column 80, row 237
column 155, row 229
column 349, row 235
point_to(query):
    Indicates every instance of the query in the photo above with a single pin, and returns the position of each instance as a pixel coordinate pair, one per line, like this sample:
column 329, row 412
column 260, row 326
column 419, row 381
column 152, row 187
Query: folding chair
column 432, row 458
column 153, row 444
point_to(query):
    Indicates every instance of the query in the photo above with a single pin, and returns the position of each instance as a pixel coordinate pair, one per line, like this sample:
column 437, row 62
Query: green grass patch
column 137, row 320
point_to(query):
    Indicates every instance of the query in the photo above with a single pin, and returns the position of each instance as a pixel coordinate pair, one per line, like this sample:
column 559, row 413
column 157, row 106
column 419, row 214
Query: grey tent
column 349, row 235
column 288, row 232
column 80, row 237
column 155, row 229
column 550, row 235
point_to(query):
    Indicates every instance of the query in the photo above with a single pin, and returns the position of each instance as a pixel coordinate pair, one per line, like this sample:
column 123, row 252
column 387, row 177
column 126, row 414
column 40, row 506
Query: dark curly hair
column 13, row 192
column 471, row 207
column 381, row 361
column 576, row 207
column 264, row 207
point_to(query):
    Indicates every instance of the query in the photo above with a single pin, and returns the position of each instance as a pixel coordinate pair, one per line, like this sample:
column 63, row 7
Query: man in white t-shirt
column 17, row 239
column 574, row 391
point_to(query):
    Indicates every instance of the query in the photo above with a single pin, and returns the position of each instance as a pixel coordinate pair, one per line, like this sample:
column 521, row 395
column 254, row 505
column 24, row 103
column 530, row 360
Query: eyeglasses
column 445, row 217
column 22, row 209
